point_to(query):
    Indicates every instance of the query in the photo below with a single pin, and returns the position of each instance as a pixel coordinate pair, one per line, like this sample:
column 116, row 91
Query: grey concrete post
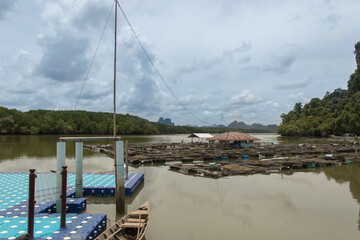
column 120, row 180
column 60, row 153
column 126, row 159
column 79, row 170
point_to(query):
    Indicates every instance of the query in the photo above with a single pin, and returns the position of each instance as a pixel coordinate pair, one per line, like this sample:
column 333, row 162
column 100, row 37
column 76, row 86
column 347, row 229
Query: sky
column 224, row 60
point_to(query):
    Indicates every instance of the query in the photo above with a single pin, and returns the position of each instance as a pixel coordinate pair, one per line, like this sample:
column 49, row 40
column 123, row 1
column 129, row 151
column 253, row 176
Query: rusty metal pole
column 31, row 206
column 63, row 196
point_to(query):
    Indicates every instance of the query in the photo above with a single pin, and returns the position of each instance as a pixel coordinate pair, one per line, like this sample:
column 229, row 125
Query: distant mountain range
column 241, row 125
column 214, row 126
column 234, row 125
column 166, row 121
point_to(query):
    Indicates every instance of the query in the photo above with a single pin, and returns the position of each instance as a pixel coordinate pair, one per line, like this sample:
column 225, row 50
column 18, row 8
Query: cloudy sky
column 246, row 60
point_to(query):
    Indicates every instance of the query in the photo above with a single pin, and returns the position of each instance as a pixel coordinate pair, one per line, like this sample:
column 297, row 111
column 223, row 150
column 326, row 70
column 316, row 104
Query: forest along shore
column 258, row 159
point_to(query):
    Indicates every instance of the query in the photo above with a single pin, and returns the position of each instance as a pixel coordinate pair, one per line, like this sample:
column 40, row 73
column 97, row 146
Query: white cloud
column 294, row 84
column 246, row 97
column 234, row 55
column 5, row 7
column 250, row 60
column 22, row 55
column 63, row 58
column 333, row 19
column 281, row 60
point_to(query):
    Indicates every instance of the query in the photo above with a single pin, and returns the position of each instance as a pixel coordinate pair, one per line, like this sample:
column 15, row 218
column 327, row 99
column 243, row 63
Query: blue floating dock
column 47, row 226
column 14, row 206
column 96, row 184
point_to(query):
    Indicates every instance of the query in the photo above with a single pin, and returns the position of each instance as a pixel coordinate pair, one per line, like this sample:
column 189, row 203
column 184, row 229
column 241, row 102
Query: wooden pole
column 31, row 206
column 63, row 197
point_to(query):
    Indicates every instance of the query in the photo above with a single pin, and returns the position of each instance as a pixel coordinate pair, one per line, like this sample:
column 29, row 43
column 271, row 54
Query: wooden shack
column 200, row 136
column 235, row 139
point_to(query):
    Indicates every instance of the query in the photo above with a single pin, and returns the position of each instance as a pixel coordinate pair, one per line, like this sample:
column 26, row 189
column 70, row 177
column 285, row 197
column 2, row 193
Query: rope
column 155, row 68
column 92, row 61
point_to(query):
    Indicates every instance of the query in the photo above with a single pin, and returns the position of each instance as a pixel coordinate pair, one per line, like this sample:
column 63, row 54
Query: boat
column 131, row 227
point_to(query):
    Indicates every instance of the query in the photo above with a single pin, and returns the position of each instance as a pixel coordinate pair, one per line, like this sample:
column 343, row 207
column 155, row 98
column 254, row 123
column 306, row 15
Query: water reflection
column 107, row 205
column 351, row 174
column 13, row 147
column 259, row 206
column 348, row 173
column 319, row 203
column 44, row 146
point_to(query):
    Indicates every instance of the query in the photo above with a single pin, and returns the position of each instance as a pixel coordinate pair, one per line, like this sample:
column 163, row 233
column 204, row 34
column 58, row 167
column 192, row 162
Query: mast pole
column 114, row 121
column 118, row 145
column 117, row 192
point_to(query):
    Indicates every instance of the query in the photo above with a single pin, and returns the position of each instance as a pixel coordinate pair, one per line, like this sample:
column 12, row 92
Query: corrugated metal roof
column 232, row 136
column 200, row 135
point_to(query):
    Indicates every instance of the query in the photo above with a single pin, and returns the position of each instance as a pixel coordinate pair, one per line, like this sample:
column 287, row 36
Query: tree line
column 337, row 113
column 38, row 122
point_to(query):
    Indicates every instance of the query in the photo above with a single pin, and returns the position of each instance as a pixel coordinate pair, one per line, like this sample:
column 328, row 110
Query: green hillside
column 13, row 121
column 337, row 113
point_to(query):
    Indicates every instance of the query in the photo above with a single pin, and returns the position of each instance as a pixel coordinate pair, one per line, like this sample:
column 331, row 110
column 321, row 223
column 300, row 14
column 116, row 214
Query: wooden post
column 61, row 148
column 79, row 170
column 31, row 204
column 120, row 180
column 63, row 197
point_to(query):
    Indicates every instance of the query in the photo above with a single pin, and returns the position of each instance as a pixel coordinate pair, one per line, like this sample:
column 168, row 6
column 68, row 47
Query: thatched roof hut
column 238, row 139
column 233, row 136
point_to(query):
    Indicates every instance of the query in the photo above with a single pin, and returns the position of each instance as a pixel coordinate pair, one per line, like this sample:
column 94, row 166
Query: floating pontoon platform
column 14, row 206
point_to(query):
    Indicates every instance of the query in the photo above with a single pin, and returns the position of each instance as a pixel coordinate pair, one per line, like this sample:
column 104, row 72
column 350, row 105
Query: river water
column 321, row 203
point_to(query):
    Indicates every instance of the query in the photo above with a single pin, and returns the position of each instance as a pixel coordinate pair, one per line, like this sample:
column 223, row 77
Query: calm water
column 322, row 203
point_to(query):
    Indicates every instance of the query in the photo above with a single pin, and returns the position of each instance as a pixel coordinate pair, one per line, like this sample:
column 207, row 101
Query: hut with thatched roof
column 235, row 139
